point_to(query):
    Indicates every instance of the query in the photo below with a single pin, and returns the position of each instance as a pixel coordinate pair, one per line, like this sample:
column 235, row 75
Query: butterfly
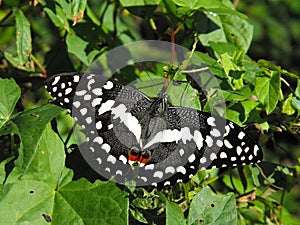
column 147, row 141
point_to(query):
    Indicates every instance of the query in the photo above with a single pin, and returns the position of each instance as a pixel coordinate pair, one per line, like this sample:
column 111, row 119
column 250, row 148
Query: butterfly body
column 133, row 137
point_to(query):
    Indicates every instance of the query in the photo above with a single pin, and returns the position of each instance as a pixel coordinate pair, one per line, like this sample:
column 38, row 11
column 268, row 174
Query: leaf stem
column 42, row 68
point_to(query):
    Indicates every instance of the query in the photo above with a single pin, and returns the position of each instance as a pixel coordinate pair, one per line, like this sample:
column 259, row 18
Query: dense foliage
column 45, row 180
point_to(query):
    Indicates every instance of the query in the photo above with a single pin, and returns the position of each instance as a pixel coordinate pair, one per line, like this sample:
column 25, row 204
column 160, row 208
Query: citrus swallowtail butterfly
column 132, row 137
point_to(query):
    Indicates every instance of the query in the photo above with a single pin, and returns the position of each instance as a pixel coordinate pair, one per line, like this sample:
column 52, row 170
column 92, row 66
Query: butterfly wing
column 117, row 117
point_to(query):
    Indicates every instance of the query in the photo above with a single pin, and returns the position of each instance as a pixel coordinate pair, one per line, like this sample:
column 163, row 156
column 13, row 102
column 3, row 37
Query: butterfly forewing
column 122, row 124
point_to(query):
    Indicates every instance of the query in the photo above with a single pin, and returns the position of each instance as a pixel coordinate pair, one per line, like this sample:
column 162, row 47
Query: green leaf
column 109, row 204
column 74, row 202
column 23, row 34
column 287, row 106
column 222, row 48
column 2, row 168
column 238, row 95
column 238, row 33
column 58, row 22
column 296, row 103
column 228, row 64
column 174, row 214
column 33, row 156
column 297, row 91
column 213, row 64
column 267, row 89
column 196, row 4
column 10, row 93
column 77, row 10
column 209, row 208
column 184, row 95
column 249, row 106
column 213, row 36
column 138, row 216
column 129, row 3
column 46, row 191
column 77, row 47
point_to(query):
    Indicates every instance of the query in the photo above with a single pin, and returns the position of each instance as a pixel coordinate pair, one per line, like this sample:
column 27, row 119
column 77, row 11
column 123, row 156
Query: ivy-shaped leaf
column 77, row 47
column 23, row 34
column 287, row 106
column 211, row 209
column 46, row 193
column 174, row 214
column 267, row 89
column 10, row 93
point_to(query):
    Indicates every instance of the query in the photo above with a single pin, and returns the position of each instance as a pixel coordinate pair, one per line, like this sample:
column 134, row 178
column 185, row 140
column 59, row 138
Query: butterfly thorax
column 153, row 121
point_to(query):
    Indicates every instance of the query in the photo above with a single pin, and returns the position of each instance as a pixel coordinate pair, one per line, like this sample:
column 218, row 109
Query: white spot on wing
column 90, row 83
column 198, row 139
column 96, row 102
column 119, row 172
column 56, row 79
column 211, row 121
column 170, row 169
column 88, row 120
column 219, row 143
column 158, row 174
column 80, row 93
column 223, row 155
column 209, row 141
column 215, row 132
column 203, row 160
column 246, row 149
column 186, row 134
column 97, row 91
column 76, row 104
column 192, row 158
column 106, row 147
column 227, row 130
column 181, row 152
column 106, row 106
column 108, row 85
column 111, row 159
column 123, row 159
column 167, row 183
column 99, row 160
column 227, row 144
column 83, row 111
column 76, row 78
column 239, row 150
column 213, row 156
column 99, row 140
column 241, row 135
column 68, row 91
column 98, row 125
column 181, row 169
column 256, row 148
column 149, row 167
column 87, row 97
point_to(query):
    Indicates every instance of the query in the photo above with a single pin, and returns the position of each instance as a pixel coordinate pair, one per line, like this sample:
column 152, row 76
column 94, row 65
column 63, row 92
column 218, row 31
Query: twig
column 266, row 178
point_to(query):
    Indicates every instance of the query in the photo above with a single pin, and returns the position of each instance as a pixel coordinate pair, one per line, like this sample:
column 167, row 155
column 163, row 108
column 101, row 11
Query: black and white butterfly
column 134, row 138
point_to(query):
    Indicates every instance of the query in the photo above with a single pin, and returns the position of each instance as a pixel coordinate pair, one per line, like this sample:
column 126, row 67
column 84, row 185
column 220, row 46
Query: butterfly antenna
column 150, row 78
